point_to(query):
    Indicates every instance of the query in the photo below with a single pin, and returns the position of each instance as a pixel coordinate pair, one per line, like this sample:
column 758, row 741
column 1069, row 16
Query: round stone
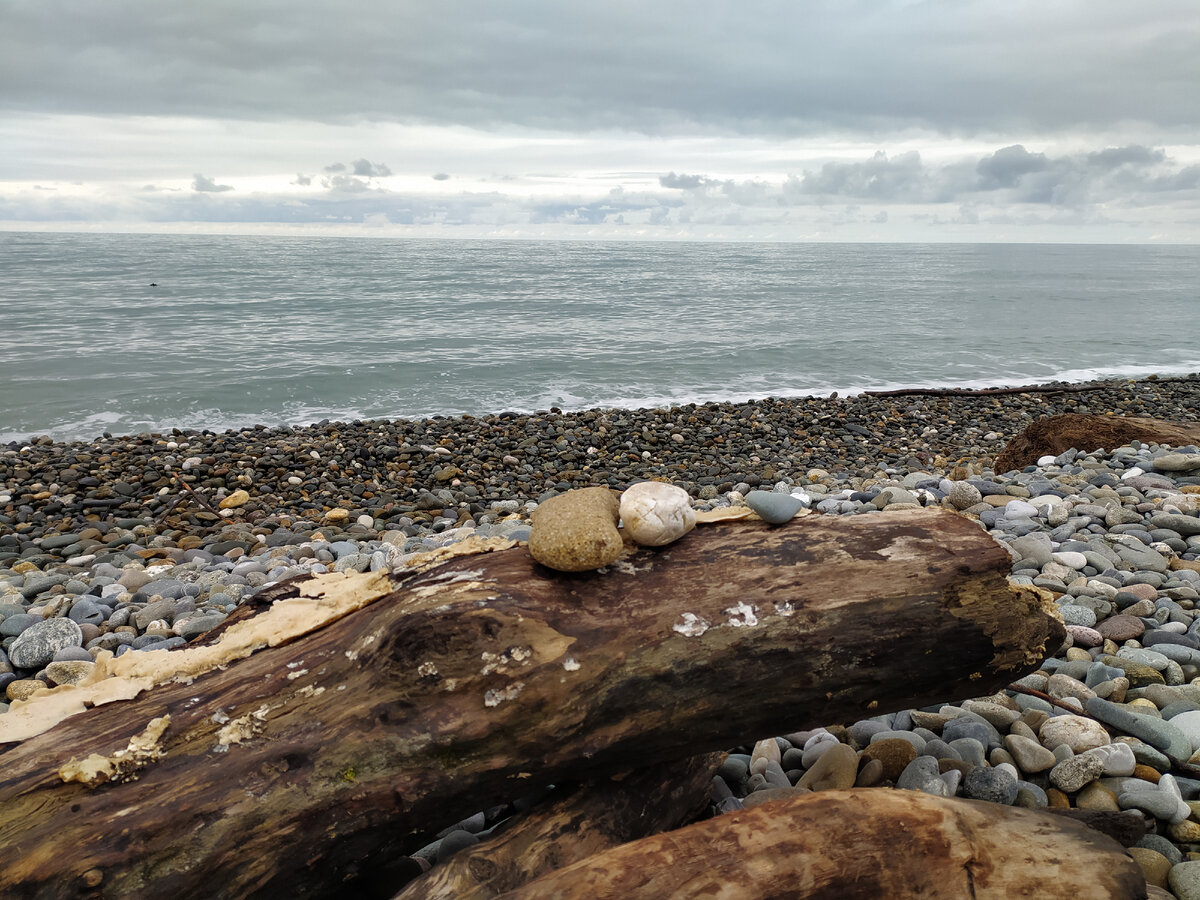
column 1077, row 732
column 577, row 531
column 1121, row 628
column 655, row 513
column 990, row 783
column 34, row 647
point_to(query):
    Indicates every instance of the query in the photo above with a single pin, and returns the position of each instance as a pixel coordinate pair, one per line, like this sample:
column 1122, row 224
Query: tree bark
column 315, row 765
column 562, row 831
column 859, row 845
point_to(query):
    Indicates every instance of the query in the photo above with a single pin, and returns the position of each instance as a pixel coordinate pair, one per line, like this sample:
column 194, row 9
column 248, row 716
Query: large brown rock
column 577, row 531
column 1052, row 435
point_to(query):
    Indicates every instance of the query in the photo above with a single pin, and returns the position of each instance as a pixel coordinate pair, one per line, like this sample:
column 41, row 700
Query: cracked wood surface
column 314, row 766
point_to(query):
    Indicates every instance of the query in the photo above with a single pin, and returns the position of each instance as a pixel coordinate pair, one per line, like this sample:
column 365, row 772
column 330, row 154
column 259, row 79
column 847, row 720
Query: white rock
column 1118, row 758
column 1047, row 460
column 655, row 513
column 1015, row 509
column 1070, row 558
column 1076, row 732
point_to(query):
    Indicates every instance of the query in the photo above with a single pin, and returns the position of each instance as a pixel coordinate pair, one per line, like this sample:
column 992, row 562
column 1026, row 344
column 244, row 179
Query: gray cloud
column 441, row 176
column 1023, row 67
column 207, row 185
column 302, row 180
column 369, row 169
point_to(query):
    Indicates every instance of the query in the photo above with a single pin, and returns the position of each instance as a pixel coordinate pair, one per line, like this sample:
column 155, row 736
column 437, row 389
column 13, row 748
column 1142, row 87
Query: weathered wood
column 314, row 766
column 1052, row 435
column 593, row 818
column 859, row 845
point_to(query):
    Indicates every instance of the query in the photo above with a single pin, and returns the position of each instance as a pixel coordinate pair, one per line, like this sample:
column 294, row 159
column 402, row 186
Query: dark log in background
column 1052, row 435
column 476, row 681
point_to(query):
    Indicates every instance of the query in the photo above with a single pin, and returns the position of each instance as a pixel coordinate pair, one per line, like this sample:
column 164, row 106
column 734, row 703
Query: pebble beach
column 151, row 540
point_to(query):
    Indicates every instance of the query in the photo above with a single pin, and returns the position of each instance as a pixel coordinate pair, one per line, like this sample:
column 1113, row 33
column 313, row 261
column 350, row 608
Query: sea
column 131, row 333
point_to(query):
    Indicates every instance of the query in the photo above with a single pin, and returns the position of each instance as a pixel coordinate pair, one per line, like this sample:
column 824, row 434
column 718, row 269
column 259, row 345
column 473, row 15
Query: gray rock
column 1177, row 462
column 991, row 784
column 35, row 646
column 922, row 775
column 1072, row 774
column 1180, row 524
column 772, row 508
column 1157, row 733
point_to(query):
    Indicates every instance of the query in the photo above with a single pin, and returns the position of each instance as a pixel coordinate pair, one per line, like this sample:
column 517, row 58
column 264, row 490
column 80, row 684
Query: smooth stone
column 69, row 671
column 655, row 513
column 996, row 785
column 1097, row 796
column 922, row 775
column 1156, row 868
column 1076, row 732
column 1118, row 758
column 1029, row 755
column 1189, row 724
column 894, row 754
column 1184, row 880
column 916, row 740
column 1157, row 733
column 836, row 769
column 577, row 531
column 34, row 647
column 1070, row 559
column 1180, row 524
column 1177, row 462
column 773, row 508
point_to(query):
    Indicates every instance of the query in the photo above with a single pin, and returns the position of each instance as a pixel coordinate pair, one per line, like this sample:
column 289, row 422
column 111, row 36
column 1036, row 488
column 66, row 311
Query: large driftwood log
column 564, row 830
column 859, row 845
column 1052, row 435
column 316, row 764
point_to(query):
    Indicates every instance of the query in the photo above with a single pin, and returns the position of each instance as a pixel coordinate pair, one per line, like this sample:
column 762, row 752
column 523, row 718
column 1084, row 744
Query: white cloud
column 895, row 118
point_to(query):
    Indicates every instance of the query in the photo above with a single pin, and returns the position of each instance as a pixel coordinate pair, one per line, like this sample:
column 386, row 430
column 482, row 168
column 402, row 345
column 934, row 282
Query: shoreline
column 393, row 469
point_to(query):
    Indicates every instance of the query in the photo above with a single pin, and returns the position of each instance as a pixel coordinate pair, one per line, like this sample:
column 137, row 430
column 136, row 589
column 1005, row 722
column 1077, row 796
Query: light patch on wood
column 905, row 548
column 742, row 615
column 495, row 697
column 1012, row 615
column 691, row 625
column 123, row 765
column 323, row 599
column 242, row 728
column 427, row 669
column 784, row 608
column 723, row 514
column 293, row 675
column 570, row 664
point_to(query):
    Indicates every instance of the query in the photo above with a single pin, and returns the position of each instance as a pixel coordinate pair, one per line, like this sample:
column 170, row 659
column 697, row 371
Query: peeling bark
column 315, row 765
column 859, row 845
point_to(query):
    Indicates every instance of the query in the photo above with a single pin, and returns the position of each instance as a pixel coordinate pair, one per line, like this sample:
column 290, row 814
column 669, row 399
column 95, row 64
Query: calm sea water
column 242, row 330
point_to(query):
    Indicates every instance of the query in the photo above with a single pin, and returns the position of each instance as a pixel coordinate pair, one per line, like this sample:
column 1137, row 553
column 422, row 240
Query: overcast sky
column 789, row 120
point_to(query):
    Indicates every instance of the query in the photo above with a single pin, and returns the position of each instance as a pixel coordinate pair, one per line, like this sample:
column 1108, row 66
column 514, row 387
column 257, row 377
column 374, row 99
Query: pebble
column 774, row 508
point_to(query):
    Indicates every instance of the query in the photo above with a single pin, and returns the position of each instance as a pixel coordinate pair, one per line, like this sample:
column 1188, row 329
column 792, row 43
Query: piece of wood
column 595, row 817
column 314, row 766
column 1052, row 435
column 859, row 844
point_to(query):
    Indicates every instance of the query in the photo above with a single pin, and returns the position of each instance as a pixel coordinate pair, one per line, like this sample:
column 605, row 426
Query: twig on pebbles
column 190, row 491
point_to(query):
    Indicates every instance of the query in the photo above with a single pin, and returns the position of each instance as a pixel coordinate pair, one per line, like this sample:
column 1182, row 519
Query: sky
column 893, row 120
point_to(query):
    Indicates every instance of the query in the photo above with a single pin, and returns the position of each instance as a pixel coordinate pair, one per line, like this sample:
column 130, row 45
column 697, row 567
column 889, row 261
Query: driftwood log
column 1052, row 435
column 316, row 764
column 859, row 845
column 564, row 830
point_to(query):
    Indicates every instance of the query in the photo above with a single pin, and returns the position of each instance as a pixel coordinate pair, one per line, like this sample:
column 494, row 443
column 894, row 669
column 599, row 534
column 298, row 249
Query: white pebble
column 655, row 513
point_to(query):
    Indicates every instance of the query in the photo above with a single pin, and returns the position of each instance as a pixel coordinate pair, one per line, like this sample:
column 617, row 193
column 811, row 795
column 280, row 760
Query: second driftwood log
column 316, row 764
